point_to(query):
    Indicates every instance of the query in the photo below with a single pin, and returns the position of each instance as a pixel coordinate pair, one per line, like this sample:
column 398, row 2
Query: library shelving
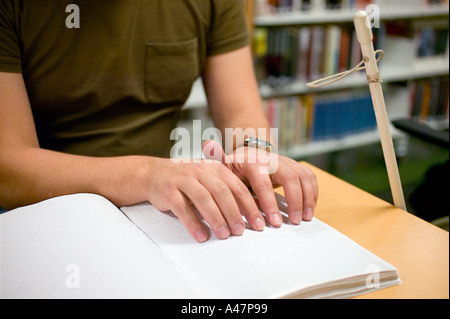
column 404, row 30
column 323, row 16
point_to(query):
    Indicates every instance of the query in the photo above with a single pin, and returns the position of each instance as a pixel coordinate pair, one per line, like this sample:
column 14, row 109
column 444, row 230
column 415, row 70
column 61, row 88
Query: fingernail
column 224, row 232
column 259, row 223
column 201, row 236
column 297, row 218
column 276, row 218
column 309, row 214
column 238, row 229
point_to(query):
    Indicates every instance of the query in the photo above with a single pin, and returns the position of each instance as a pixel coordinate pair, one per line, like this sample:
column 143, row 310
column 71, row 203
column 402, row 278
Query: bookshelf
column 400, row 64
column 197, row 98
column 344, row 15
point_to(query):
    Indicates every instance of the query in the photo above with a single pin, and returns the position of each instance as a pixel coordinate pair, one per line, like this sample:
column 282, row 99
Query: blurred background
column 334, row 127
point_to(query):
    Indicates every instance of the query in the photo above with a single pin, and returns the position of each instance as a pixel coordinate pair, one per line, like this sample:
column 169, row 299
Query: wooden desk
column 418, row 249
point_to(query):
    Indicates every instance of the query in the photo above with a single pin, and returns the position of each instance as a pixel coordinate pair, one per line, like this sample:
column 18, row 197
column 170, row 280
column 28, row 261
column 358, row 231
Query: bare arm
column 233, row 94
column 29, row 174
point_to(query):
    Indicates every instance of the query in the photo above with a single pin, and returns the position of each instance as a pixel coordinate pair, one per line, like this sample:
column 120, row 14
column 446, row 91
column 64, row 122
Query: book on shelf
column 305, row 53
column 311, row 118
column 429, row 100
column 82, row 246
column 436, row 2
column 431, row 39
column 422, row 43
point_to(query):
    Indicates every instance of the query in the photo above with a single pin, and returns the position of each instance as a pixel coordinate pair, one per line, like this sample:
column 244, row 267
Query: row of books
column 279, row 6
column 304, row 53
column 416, row 39
column 431, row 40
column 430, row 99
column 264, row 7
column 308, row 118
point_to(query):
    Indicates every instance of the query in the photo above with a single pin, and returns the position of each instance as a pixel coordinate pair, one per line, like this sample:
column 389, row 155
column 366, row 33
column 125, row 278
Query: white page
column 81, row 246
column 267, row 264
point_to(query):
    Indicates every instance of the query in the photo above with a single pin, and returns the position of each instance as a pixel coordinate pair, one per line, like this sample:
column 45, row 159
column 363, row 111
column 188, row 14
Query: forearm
column 29, row 175
column 247, row 123
column 234, row 97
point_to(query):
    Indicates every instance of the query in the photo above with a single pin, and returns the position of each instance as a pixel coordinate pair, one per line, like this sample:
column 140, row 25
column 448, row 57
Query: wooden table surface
column 418, row 249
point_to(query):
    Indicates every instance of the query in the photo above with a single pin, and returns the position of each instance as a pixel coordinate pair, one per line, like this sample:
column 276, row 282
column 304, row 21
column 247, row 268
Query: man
column 90, row 90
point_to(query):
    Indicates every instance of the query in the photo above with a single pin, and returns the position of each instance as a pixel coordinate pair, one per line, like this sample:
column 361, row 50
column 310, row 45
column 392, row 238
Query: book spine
column 305, row 118
column 429, row 99
column 284, row 55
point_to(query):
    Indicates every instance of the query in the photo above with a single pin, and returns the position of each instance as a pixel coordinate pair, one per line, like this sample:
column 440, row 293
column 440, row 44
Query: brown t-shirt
column 115, row 85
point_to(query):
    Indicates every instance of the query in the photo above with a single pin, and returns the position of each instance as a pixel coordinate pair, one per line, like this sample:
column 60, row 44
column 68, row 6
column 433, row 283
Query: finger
column 309, row 175
column 212, row 150
column 245, row 201
column 223, row 197
column 181, row 208
column 293, row 192
column 240, row 191
column 309, row 190
column 207, row 207
column 262, row 186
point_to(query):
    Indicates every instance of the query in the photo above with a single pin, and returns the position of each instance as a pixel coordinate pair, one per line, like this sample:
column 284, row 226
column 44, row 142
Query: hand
column 263, row 173
column 220, row 197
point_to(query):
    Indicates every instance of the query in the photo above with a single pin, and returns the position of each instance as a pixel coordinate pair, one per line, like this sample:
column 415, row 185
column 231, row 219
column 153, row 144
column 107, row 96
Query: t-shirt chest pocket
column 171, row 68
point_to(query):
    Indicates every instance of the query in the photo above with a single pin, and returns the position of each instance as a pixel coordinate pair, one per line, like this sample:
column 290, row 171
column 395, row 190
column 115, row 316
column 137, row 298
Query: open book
column 82, row 246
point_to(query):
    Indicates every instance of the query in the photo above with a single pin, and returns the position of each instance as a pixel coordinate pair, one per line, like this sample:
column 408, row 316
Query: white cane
column 364, row 35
